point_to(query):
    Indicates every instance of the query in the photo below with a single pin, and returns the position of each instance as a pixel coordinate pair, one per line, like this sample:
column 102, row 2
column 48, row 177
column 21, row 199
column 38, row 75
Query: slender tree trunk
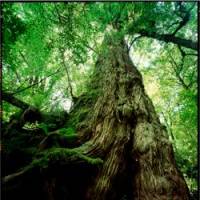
column 126, row 133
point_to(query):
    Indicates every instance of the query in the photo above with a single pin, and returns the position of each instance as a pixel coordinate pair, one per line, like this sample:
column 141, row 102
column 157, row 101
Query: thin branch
column 169, row 126
column 30, row 86
column 67, row 72
column 185, row 16
column 192, row 81
column 14, row 176
column 170, row 25
column 24, row 59
column 28, row 65
column 89, row 47
column 182, row 23
column 136, row 38
column 183, row 53
column 177, row 69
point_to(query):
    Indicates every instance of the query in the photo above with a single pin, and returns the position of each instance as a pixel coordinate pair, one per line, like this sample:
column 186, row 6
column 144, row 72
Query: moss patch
column 62, row 156
column 67, row 131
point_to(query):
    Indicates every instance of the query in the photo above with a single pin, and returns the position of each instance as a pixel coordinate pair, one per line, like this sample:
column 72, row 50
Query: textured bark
column 127, row 134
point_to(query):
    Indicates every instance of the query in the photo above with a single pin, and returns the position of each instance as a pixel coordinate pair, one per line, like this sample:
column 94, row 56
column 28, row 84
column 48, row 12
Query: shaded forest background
column 49, row 54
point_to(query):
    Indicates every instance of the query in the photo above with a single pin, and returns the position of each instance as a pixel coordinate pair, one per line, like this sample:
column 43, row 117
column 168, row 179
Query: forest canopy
column 51, row 66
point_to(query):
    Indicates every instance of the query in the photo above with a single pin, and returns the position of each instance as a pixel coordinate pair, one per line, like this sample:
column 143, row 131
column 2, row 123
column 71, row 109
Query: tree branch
column 36, row 83
column 177, row 71
column 67, row 72
column 8, row 97
column 185, row 16
column 169, row 127
column 183, row 53
column 136, row 38
column 170, row 38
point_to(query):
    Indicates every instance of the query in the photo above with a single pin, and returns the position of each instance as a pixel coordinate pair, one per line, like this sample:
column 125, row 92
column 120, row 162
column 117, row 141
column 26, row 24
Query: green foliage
column 68, row 131
column 13, row 27
column 8, row 111
column 44, row 127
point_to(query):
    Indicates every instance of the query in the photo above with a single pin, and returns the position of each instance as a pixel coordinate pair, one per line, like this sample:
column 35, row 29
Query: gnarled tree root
column 55, row 157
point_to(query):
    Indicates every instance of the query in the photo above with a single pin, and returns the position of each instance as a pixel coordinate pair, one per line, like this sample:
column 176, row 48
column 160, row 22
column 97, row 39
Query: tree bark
column 126, row 133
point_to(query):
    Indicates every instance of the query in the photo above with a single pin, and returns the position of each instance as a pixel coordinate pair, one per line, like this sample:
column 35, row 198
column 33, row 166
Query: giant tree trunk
column 125, row 131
